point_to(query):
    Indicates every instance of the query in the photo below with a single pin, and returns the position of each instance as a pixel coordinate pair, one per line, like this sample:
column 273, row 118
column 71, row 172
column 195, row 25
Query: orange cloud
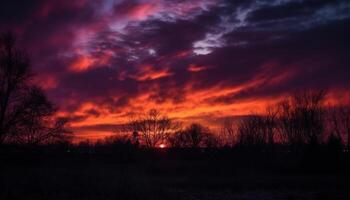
column 197, row 103
column 148, row 72
column 195, row 108
column 201, row 105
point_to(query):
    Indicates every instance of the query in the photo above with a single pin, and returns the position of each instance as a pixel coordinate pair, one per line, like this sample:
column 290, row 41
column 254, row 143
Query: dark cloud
column 101, row 60
column 292, row 9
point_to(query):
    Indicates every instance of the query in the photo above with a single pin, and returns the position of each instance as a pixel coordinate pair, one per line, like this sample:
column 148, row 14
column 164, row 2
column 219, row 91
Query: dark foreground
column 163, row 174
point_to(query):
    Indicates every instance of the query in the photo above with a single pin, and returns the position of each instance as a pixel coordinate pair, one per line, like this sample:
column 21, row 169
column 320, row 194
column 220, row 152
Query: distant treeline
column 301, row 119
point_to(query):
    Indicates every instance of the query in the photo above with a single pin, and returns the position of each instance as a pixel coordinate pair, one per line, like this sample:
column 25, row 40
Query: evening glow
column 199, row 61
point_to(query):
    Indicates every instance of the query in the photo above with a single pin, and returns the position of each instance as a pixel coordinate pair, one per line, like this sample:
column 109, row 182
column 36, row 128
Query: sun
column 162, row 146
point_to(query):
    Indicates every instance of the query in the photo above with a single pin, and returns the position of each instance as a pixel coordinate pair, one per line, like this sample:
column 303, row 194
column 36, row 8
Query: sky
column 101, row 61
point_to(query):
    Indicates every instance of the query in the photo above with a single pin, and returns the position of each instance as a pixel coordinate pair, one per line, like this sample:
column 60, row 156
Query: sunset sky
column 196, row 61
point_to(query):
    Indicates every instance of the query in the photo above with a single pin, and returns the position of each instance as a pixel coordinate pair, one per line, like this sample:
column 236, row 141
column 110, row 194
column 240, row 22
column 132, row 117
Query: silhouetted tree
column 26, row 115
column 334, row 144
column 251, row 131
column 228, row 133
column 135, row 138
column 340, row 123
column 259, row 129
column 152, row 128
column 301, row 117
column 270, row 124
column 178, row 139
column 210, row 140
column 120, row 145
column 194, row 136
column 85, row 146
column 345, row 120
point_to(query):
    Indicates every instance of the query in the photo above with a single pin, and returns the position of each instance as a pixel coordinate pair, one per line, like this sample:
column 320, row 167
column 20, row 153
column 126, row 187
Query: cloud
column 148, row 72
column 196, row 60
column 196, row 68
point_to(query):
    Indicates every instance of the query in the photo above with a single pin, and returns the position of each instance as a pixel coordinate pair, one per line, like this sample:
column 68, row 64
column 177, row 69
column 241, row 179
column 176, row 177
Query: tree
column 301, row 117
column 346, row 121
column 259, row 129
column 340, row 123
column 26, row 115
column 251, row 131
column 210, row 140
column 178, row 139
column 228, row 133
column 152, row 128
column 270, row 124
column 194, row 136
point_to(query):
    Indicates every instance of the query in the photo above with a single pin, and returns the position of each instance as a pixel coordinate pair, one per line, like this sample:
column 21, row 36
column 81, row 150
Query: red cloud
column 196, row 68
column 148, row 72
column 82, row 64
column 86, row 62
column 141, row 11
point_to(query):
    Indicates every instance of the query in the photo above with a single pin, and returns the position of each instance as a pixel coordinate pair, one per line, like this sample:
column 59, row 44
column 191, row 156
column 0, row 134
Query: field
column 165, row 175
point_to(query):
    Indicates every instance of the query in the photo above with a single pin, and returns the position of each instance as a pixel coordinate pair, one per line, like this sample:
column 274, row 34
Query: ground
column 91, row 177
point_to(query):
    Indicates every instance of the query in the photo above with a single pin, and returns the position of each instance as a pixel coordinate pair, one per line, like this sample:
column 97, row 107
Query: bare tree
column 228, row 132
column 270, row 124
column 193, row 136
column 153, row 128
column 334, row 125
column 251, row 131
column 340, row 123
column 210, row 140
column 178, row 139
column 345, row 120
column 301, row 117
column 26, row 116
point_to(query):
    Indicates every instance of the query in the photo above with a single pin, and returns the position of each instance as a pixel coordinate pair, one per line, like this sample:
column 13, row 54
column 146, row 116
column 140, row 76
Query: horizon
column 199, row 61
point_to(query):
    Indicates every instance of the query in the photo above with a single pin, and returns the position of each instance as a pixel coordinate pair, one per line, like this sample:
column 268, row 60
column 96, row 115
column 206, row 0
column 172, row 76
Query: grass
column 92, row 177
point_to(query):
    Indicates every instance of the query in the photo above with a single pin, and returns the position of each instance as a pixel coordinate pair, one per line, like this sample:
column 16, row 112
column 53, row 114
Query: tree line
column 302, row 118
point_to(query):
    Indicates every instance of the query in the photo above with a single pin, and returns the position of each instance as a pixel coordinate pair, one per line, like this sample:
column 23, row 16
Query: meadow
column 172, row 174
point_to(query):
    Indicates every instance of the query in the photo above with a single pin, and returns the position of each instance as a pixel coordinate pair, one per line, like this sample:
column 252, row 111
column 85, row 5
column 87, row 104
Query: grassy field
column 165, row 177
